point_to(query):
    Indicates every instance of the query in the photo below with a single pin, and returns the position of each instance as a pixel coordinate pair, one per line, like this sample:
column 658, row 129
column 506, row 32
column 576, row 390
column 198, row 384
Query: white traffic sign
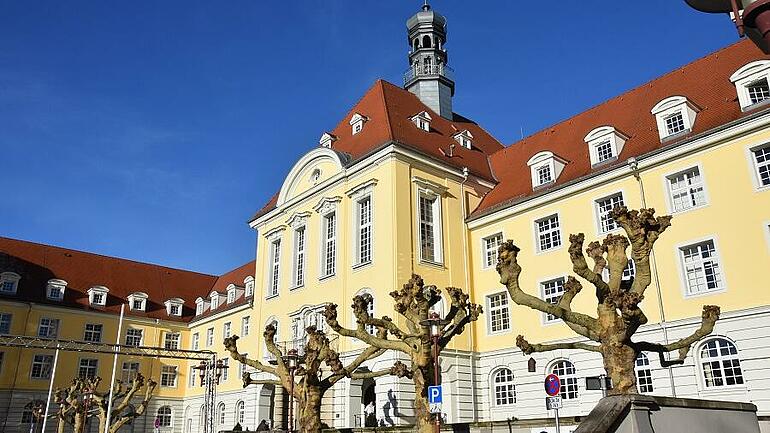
column 553, row 403
column 435, row 408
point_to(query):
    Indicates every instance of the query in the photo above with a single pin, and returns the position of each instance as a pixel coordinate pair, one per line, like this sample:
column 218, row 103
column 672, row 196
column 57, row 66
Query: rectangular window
column 603, row 208
column 226, row 329
column 5, row 323
column 129, row 371
column 499, row 316
column 762, row 164
column 196, row 341
column 242, row 368
column 430, row 227
column 758, row 91
column 55, row 293
column 8, row 287
column 275, row 268
column 191, row 377
column 133, row 337
column 93, row 333
column 137, row 304
column 209, row 337
column 41, row 366
column 88, row 367
column 97, row 298
column 491, row 245
column 49, row 328
column 544, row 175
column 548, row 233
column 604, row 151
column 174, row 310
column 364, row 231
column 329, row 246
column 551, row 291
column 674, row 123
column 245, row 322
column 702, row 270
column 168, row 376
column 299, row 257
column 231, row 296
column 686, row 190
column 171, row 341
column 225, row 368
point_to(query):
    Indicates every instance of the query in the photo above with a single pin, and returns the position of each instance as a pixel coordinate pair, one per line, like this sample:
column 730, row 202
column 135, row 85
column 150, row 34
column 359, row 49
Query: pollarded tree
column 320, row 369
column 618, row 313
column 413, row 302
column 81, row 399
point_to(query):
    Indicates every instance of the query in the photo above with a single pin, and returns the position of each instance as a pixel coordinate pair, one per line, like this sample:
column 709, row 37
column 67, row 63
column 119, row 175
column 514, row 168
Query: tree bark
column 309, row 411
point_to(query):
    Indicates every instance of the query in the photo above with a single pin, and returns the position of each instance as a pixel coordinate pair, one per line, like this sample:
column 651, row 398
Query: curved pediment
column 312, row 169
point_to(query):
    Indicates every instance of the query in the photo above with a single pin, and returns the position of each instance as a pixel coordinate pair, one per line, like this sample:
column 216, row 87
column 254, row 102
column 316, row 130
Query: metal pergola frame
column 207, row 357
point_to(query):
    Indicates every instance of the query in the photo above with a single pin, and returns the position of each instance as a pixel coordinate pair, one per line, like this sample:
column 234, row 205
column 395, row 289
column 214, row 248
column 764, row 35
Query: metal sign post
column 553, row 401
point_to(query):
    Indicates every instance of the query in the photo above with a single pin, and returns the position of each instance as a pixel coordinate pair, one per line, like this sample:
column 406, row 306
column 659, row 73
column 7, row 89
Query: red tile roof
column 705, row 82
column 38, row 263
column 389, row 110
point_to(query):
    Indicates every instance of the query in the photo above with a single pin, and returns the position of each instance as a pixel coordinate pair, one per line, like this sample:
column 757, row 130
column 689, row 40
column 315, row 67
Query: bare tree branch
column 709, row 316
column 529, row 349
column 642, row 228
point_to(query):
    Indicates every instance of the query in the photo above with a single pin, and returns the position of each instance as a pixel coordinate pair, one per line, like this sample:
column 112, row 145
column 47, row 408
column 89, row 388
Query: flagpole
column 50, row 387
column 114, row 367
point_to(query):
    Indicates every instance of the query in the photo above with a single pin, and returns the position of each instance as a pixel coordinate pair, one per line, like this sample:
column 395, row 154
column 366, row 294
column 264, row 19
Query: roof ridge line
column 382, row 82
column 620, row 95
column 110, row 257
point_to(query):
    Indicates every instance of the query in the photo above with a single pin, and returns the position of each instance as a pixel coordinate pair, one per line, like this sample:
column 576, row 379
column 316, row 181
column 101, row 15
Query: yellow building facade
column 403, row 185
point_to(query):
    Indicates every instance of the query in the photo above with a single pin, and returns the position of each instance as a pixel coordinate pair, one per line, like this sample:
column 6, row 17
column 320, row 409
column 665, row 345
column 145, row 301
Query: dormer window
column 9, row 283
column 174, row 307
column 545, row 168
column 465, row 138
column 326, row 140
column 232, row 293
column 751, row 84
column 249, row 284
column 674, row 115
column 604, row 144
column 97, row 295
column 214, row 300
column 357, row 123
column 137, row 301
column 422, row 120
column 200, row 306
column 55, row 289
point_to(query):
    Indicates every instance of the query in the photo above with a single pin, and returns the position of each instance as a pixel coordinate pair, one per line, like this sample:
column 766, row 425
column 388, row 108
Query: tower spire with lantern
column 428, row 75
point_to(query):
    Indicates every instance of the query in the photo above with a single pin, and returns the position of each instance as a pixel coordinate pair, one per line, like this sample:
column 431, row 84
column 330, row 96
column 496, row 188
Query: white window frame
column 88, row 366
column 465, row 138
column 96, row 293
column 231, row 295
column 599, row 214
column 545, row 159
column 642, row 363
column 6, row 317
column 573, row 379
column 754, row 167
column 240, row 412
column 195, row 342
column 9, row 279
column 436, row 225
column 720, row 358
column 747, row 75
column 45, row 359
column 299, row 269
column 227, row 330
column 356, row 123
column 537, row 233
column 127, row 372
column 508, row 387
column 170, row 417
column 598, row 137
column 669, row 107
column 137, row 297
column 248, row 285
column 172, row 340
column 50, row 325
column 191, row 376
column 245, row 325
column 422, row 120
column 327, row 139
column 55, row 284
column 505, row 310
column 679, row 251
column 329, row 236
column 209, row 337
column 489, row 257
column 670, row 193
column 169, row 375
column 174, row 303
column 545, row 317
column 200, row 306
column 358, row 202
column 131, row 335
column 274, row 266
column 97, row 329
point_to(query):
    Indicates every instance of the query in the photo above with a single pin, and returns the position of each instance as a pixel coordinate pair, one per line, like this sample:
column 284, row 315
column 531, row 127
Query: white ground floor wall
column 468, row 386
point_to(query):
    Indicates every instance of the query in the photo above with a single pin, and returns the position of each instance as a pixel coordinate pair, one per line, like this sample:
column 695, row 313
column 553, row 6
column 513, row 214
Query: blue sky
column 153, row 130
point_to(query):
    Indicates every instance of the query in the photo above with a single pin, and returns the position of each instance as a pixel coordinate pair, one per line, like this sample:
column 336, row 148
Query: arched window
column 426, row 41
column 505, row 390
column 427, row 65
column 201, row 418
column 720, row 363
column 221, row 414
column 164, row 416
column 240, row 412
column 643, row 373
column 416, row 44
column 567, row 377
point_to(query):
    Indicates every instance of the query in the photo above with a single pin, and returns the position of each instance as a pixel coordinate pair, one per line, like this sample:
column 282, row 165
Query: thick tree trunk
column 422, row 376
column 309, row 411
column 618, row 356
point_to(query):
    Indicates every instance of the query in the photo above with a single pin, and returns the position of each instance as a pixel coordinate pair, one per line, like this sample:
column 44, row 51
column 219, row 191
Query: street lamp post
column 291, row 360
column 436, row 325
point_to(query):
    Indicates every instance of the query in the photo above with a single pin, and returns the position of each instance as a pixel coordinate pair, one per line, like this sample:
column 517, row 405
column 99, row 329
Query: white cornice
column 220, row 314
column 716, row 136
